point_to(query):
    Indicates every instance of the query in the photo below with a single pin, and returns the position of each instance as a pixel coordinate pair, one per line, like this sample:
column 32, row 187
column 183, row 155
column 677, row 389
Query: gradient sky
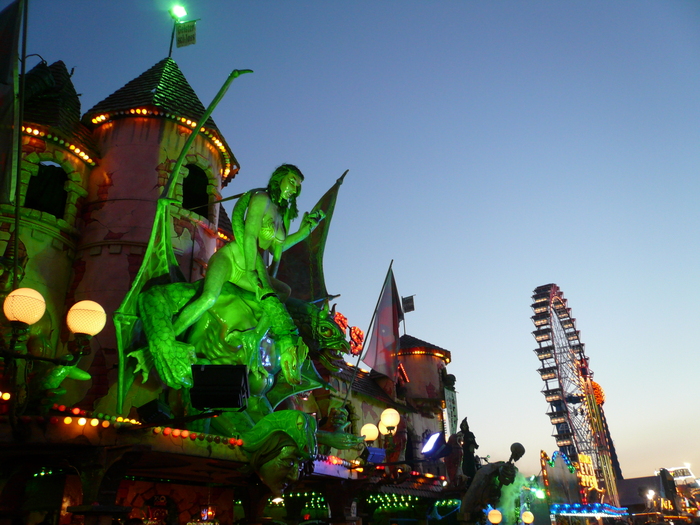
column 493, row 146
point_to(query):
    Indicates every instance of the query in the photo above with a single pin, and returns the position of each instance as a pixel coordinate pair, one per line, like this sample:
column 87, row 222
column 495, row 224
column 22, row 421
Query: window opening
column 194, row 191
column 46, row 190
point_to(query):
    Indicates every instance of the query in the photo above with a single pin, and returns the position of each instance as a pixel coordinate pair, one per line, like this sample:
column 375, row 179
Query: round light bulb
column 495, row 516
column 527, row 517
column 25, row 305
column 86, row 317
column 390, row 418
column 369, row 432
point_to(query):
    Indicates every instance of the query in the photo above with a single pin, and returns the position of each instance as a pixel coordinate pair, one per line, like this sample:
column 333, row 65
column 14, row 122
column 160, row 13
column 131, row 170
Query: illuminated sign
column 585, row 468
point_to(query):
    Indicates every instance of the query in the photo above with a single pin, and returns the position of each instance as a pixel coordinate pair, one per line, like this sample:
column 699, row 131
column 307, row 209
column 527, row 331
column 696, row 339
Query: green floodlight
column 178, row 12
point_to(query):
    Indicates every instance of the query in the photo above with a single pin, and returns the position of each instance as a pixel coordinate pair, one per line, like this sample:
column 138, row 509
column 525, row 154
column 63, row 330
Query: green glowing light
column 178, row 12
column 539, row 493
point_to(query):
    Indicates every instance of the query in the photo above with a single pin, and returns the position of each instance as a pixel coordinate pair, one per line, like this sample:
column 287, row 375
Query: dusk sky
column 493, row 146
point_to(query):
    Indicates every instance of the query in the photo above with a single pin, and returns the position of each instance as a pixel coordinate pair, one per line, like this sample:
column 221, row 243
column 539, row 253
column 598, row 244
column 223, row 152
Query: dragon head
column 325, row 339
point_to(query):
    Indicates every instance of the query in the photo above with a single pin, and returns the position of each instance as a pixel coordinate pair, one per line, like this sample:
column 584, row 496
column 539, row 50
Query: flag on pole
column 9, row 48
column 186, row 33
column 383, row 347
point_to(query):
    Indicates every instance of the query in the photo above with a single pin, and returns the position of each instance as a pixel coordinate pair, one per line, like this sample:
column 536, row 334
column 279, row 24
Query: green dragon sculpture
column 277, row 342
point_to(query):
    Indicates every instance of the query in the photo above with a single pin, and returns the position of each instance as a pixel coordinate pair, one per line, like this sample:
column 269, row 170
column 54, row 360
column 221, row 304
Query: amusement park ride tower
column 575, row 400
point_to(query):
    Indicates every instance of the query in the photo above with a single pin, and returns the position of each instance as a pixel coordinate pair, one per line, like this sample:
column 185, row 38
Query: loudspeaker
column 219, row 386
column 154, row 412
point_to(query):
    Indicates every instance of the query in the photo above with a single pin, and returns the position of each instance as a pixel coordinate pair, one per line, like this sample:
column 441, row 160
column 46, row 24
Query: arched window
column 46, row 190
column 194, row 191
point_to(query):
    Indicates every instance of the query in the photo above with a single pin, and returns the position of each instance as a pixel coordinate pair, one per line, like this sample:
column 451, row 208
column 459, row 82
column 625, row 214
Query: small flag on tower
column 186, row 33
column 408, row 304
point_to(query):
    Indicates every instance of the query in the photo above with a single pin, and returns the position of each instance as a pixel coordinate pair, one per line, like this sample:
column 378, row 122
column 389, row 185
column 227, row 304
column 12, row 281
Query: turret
column 140, row 131
column 57, row 155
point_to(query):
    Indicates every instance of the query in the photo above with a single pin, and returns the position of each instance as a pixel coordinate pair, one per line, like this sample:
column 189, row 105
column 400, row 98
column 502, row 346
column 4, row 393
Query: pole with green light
column 177, row 12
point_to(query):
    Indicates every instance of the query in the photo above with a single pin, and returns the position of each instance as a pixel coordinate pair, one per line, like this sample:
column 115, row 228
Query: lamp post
column 24, row 307
column 85, row 319
column 388, row 422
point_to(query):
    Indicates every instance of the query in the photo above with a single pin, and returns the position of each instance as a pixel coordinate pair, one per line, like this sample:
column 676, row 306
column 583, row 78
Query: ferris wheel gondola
column 575, row 400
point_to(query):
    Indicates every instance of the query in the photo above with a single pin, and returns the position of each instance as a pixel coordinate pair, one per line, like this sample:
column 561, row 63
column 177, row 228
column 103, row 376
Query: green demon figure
column 237, row 315
column 240, row 314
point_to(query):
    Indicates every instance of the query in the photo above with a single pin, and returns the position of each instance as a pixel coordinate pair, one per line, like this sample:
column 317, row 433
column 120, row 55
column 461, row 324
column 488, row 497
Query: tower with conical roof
column 139, row 131
column 428, row 386
column 57, row 156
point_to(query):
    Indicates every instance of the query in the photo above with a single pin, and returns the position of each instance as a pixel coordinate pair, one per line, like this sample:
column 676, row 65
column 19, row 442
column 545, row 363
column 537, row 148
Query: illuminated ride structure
column 575, row 400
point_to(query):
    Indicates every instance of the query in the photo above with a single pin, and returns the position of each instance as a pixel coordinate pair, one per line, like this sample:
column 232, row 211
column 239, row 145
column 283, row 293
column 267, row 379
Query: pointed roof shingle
column 163, row 86
column 51, row 100
column 164, row 89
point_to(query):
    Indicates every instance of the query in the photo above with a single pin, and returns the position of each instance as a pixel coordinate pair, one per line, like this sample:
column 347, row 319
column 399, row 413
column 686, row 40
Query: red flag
column 9, row 38
column 383, row 346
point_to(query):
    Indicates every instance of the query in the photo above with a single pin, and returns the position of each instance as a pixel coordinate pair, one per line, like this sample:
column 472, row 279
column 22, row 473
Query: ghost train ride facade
column 131, row 421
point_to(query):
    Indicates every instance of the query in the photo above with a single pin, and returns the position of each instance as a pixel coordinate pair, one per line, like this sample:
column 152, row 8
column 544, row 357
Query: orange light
column 105, row 424
column 176, row 432
column 75, row 411
column 6, row 396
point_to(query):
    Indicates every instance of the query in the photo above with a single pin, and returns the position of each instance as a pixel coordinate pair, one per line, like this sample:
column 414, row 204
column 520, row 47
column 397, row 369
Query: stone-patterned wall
column 47, row 243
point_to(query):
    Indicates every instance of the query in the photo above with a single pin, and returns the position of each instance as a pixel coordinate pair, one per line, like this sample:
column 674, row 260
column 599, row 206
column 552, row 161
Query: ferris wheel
column 575, row 400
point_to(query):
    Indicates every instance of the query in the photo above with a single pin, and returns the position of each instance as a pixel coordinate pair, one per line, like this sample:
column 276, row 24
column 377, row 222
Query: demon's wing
column 301, row 267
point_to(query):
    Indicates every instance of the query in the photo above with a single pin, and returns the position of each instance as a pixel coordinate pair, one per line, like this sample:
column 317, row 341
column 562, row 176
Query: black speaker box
column 219, row 386
column 154, row 412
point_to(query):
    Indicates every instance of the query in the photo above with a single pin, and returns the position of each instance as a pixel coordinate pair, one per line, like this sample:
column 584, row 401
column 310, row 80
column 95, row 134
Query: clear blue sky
column 493, row 146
